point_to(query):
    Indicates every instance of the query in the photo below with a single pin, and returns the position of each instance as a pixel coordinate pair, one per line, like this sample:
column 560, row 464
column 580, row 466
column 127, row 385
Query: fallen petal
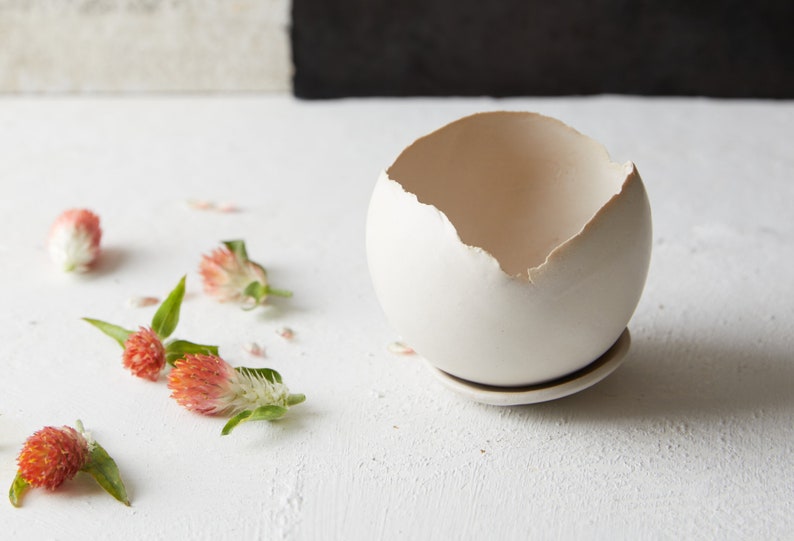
column 286, row 333
column 254, row 349
column 400, row 349
column 140, row 302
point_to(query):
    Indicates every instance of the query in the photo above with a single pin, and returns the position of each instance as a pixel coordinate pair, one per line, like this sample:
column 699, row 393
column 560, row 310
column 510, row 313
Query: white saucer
column 551, row 390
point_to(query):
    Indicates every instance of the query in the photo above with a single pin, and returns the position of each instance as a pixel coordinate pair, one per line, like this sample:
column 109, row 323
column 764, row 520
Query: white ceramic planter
column 507, row 249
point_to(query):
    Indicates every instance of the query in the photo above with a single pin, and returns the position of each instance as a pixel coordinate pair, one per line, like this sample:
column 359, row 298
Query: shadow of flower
column 110, row 259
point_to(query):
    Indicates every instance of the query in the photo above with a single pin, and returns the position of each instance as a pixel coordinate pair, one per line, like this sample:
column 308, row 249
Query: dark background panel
column 513, row 48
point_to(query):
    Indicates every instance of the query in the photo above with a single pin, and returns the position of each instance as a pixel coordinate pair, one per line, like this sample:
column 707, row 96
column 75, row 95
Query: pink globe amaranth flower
column 144, row 354
column 74, row 240
column 51, row 456
column 209, row 385
column 225, row 276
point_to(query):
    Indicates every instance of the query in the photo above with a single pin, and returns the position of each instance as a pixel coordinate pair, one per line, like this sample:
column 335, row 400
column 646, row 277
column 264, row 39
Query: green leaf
column 167, row 316
column 295, row 399
column 234, row 421
column 179, row 348
column 104, row 470
column 18, row 487
column 262, row 373
column 262, row 413
column 267, row 413
column 117, row 333
column 237, row 247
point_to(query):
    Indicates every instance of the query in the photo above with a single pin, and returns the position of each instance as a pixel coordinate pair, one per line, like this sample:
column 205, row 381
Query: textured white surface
column 56, row 46
column 691, row 438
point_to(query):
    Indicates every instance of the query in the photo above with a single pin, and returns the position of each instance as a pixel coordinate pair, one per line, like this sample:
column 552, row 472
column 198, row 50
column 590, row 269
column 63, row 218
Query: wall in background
column 144, row 45
column 723, row 48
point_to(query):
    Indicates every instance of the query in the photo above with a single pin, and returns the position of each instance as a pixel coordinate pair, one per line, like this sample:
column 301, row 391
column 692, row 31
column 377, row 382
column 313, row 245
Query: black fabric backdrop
column 513, row 48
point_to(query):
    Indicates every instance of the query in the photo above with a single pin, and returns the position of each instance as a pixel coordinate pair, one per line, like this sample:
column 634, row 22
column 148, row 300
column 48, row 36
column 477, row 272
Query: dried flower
column 145, row 350
column 208, row 385
column 144, row 354
column 74, row 240
column 54, row 455
column 229, row 275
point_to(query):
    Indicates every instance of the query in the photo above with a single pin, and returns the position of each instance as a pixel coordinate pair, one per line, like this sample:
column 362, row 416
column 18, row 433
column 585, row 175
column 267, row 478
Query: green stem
column 278, row 292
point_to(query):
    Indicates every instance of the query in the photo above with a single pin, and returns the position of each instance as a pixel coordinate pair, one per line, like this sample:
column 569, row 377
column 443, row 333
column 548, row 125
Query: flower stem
column 279, row 292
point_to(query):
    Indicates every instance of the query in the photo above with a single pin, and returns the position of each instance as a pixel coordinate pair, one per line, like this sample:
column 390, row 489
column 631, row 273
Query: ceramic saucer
column 550, row 390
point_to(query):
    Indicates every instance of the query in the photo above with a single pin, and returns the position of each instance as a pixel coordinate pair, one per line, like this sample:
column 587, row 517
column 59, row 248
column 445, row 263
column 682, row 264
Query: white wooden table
column 693, row 437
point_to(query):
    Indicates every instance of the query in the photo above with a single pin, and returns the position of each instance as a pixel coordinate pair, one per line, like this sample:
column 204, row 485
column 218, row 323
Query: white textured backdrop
column 692, row 438
column 144, row 45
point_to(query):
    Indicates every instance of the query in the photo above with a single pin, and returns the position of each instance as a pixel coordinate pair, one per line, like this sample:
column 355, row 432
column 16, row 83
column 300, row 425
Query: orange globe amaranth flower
column 51, row 456
column 202, row 383
column 225, row 275
column 208, row 385
column 144, row 354
column 74, row 240
column 228, row 274
column 54, row 455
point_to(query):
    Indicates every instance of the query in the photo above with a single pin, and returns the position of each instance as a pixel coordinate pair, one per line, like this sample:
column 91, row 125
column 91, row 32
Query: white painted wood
column 691, row 438
column 144, row 46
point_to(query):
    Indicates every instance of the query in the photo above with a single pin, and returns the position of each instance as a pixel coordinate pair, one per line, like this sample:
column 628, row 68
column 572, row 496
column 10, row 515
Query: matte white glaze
column 533, row 394
column 454, row 302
